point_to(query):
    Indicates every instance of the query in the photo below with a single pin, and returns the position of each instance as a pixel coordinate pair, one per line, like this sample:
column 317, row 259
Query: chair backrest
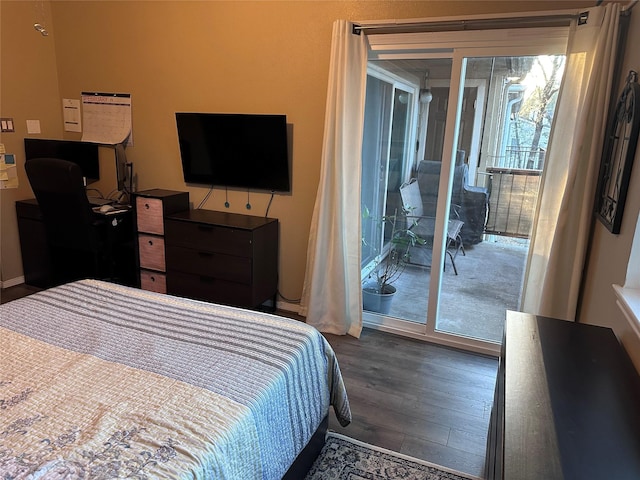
column 59, row 189
column 411, row 200
column 428, row 175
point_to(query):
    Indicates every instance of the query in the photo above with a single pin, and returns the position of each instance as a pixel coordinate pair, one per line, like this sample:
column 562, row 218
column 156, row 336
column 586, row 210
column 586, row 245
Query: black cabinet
column 567, row 404
column 222, row 257
column 36, row 262
column 117, row 238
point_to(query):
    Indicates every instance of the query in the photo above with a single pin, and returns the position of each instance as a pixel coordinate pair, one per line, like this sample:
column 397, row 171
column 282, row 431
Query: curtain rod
column 480, row 22
column 531, row 19
column 626, row 10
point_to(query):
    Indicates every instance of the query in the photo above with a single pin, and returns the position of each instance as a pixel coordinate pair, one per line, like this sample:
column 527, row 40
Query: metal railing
column 521, row 158
column 514, row 183
column 512, row 201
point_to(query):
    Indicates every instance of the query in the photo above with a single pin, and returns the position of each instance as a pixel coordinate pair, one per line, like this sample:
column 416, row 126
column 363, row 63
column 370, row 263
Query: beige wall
column 607, row 262
column 28, row 90
column 212, row 56
column 256, row 57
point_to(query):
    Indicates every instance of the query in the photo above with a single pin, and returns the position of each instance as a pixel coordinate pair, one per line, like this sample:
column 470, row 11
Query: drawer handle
column 151, row 242
column 153, row 279
column 146, row 205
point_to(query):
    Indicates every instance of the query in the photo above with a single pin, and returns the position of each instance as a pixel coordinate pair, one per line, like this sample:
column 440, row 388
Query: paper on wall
column 106, row 118
column 71, row 113
column 8, row 171
column 33, row 126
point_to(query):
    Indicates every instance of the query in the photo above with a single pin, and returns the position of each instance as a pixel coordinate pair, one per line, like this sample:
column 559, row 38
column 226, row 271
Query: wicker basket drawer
column 149, row 215
column 153, row 281
column 151, row 252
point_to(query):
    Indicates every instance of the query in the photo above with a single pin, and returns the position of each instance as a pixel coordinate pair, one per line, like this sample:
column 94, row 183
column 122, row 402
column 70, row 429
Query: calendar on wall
column 107, row 118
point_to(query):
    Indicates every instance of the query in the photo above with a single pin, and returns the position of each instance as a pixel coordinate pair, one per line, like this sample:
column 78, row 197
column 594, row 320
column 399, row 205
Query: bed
column 99, row 380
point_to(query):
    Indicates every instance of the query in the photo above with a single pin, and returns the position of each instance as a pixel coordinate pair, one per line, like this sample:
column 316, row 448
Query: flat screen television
column 84, row 154
column 234, row 150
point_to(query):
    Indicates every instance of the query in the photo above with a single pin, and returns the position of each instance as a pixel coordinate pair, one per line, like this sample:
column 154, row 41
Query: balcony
column 490, row 275
column 472, row 303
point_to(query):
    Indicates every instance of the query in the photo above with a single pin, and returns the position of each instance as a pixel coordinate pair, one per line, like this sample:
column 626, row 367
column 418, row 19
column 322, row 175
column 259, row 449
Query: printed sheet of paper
column 33, row 127
column 72, row 117
column 106, row 118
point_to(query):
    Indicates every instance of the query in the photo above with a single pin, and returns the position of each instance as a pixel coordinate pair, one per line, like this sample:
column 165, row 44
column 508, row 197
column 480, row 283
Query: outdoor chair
column 424, row 227
column 471, row 202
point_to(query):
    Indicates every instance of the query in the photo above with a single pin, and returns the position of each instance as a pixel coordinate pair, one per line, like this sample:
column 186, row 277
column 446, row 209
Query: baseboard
column 12, row 282
column 628, row 300
column 288, row 307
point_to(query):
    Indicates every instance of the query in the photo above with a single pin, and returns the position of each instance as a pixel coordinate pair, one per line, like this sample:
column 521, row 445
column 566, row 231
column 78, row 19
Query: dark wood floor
column 423, row 400
column 19, row 291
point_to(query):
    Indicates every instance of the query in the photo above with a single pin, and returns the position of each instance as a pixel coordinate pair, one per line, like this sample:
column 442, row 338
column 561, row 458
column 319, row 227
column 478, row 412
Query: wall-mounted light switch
column 7, row 124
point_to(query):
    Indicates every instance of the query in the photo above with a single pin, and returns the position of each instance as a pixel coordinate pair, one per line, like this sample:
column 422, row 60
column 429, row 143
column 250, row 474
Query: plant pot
column 377, row 302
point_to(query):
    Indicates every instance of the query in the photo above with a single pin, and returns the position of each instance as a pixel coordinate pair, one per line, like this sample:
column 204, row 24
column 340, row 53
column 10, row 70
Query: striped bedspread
column 103, row 381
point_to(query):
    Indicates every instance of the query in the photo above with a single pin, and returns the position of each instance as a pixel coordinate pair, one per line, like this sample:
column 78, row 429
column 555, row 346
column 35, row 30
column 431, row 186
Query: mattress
column 99, row 380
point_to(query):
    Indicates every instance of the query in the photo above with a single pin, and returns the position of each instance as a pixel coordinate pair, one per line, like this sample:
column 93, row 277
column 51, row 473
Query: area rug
column 343, row 458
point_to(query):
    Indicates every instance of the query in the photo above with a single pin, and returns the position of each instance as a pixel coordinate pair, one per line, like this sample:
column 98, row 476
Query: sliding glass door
column 387, row 155
column 443, row 159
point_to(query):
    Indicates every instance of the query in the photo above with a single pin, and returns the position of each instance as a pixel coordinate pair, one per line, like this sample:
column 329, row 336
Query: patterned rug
column 343, row 458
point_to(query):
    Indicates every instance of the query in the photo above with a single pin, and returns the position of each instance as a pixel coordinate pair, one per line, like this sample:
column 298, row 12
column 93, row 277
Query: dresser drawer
column 211, row 289
column 216, row 265
column 149, row 215
column 151, row 252
column 153, row 281
column 209, row 238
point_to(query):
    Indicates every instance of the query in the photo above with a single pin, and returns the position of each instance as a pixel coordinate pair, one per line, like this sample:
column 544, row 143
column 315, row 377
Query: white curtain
column 559, row 240
column 332, row 294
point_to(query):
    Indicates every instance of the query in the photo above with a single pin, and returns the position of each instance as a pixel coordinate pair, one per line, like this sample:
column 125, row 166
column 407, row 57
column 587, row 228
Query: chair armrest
column 426, row 229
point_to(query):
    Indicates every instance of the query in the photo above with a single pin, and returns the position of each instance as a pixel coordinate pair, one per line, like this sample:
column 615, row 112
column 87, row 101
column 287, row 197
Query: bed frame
column 303, row 462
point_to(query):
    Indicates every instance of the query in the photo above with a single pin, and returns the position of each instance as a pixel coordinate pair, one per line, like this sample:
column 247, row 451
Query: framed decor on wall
column 618, row 154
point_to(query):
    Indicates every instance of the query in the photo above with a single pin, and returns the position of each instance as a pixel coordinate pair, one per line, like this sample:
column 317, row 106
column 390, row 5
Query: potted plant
column 378, row 289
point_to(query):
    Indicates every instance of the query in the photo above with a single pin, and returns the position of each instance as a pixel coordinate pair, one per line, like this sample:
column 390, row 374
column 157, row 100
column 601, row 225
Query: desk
column 36, row 259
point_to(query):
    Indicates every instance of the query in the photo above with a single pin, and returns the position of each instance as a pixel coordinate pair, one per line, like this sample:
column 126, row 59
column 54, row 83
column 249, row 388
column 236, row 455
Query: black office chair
column 75, row 235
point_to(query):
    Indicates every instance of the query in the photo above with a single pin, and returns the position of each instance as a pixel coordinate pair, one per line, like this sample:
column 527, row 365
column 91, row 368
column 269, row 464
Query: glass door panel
column 375, row 154
column 387, row 150
column 504, row 110
column 416, row 126
column 505, row 118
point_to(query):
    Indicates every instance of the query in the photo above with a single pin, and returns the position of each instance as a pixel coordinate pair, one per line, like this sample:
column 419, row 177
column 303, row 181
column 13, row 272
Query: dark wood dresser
column 222, row 257
column 567, row 404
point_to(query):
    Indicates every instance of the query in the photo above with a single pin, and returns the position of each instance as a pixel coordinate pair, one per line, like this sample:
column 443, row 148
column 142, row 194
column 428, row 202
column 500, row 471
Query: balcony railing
column 515, row 181
column 512, row 201
column 521, row 158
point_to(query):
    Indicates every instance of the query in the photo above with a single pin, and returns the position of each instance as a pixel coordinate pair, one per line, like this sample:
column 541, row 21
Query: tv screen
column 84, row 154
column 234, row 150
